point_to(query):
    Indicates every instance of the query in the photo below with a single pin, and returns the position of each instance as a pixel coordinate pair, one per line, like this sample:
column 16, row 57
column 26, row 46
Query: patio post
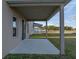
column 62, row 41
column 46, row 28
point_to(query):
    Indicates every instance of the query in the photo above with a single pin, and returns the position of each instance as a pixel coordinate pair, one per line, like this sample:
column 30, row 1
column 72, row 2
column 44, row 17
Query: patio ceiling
column 36, row 10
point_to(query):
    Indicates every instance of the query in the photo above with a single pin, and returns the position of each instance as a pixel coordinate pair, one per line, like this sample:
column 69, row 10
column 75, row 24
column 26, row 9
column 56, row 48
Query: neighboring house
column 37, row 28
column 20, row 12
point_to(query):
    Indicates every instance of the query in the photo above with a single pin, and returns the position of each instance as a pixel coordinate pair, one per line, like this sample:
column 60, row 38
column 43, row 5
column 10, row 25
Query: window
column 14, row 26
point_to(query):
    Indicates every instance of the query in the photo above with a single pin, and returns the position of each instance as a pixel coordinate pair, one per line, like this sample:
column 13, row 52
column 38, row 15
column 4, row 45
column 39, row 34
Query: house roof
column 37, row 25
column 36, row 10
column 36, row 1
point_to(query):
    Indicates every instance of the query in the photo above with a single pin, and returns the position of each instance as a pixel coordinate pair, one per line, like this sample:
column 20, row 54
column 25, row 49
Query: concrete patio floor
column 35, row 46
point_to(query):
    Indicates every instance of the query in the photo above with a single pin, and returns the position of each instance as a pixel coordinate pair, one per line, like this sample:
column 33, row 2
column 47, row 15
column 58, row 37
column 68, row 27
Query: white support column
column 46, row 29
column 62, row 41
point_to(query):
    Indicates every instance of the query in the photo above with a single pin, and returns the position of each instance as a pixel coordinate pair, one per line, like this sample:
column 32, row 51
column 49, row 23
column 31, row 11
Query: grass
column 51, row 35
column 70, row 49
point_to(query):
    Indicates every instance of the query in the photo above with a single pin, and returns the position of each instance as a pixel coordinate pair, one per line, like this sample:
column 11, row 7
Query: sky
column 69, row 16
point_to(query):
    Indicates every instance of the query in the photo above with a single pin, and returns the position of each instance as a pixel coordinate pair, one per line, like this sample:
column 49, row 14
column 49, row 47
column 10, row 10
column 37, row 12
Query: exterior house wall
column 27, row 30
column 30, row 27
column 8, row 41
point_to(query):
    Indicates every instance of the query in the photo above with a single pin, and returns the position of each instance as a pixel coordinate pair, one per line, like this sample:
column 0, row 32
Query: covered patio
column 39, row 10
column 35, row 46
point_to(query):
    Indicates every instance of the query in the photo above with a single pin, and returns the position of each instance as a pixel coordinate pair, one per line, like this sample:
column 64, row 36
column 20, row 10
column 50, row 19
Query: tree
column 68, row 28
column 57, row 28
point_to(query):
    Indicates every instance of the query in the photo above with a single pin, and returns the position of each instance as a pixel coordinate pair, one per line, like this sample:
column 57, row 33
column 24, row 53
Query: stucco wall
column 8, row 42
column 30, row 27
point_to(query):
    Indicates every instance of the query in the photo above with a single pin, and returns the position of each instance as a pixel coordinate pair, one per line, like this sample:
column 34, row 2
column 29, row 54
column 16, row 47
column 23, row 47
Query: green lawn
column 70, row 49
column 55, row 35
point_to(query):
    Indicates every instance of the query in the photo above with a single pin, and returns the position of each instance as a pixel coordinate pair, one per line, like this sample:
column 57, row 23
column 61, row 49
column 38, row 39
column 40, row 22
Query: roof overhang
column 37, row 25
column 37, row 10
